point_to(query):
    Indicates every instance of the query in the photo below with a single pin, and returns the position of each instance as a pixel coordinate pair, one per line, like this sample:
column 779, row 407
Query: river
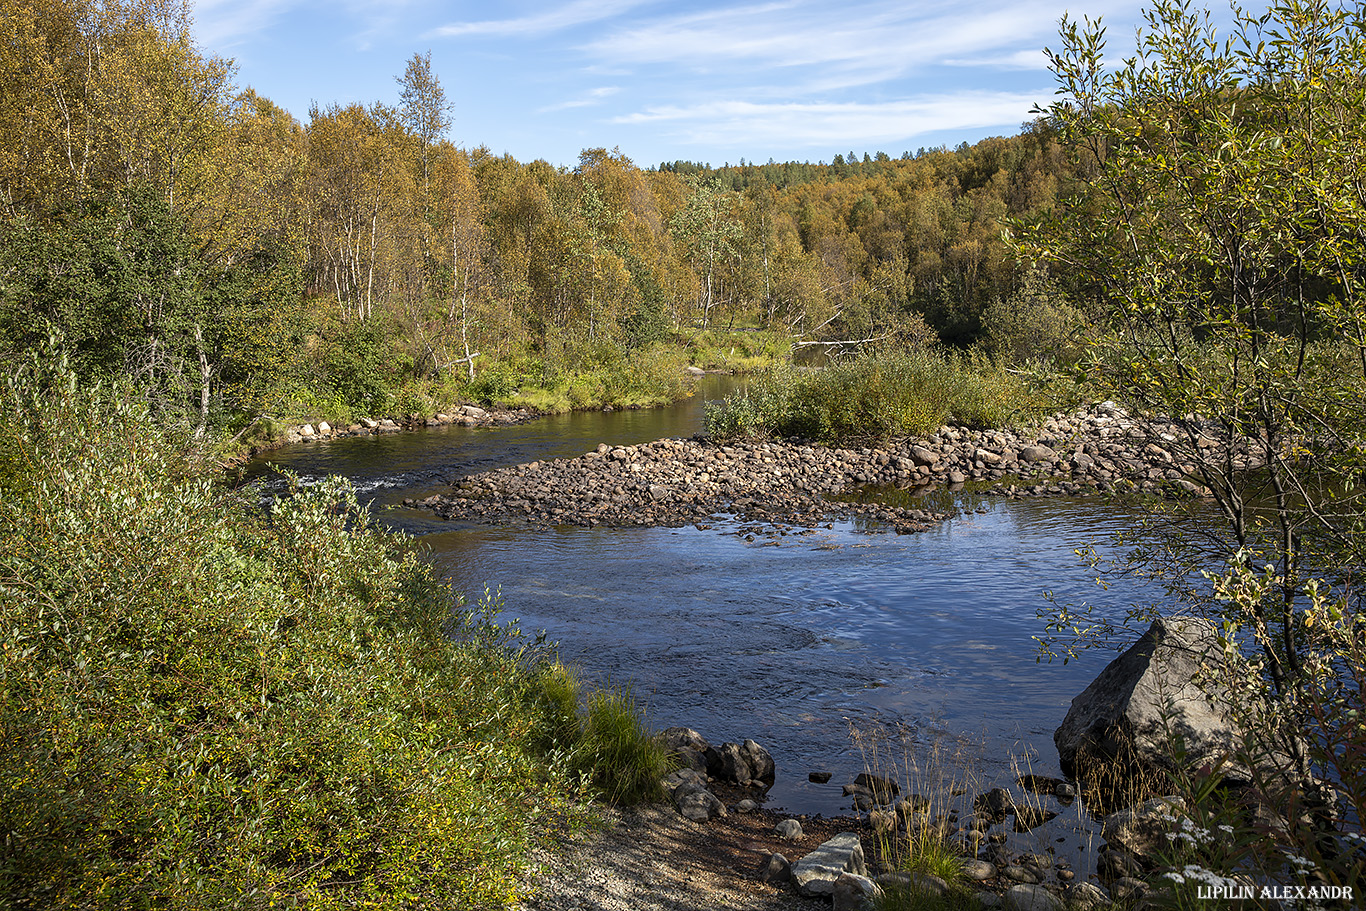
column 845, row 647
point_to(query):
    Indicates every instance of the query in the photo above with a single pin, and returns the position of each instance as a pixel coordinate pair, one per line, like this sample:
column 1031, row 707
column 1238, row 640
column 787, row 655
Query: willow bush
column 206, row 704
column 875, row 397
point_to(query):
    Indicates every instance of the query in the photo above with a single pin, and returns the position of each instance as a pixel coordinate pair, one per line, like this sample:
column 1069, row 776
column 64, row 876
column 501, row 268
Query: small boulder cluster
column 463, row 415
column 744, row 765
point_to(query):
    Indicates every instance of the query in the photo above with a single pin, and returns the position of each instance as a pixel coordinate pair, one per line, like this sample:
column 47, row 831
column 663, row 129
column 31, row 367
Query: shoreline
column 675, row 482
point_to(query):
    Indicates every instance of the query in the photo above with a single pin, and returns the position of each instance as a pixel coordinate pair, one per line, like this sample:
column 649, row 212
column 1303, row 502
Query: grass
column 876, row 397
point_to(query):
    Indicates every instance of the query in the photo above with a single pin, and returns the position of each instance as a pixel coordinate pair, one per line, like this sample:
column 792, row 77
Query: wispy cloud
column 591, row 98
column 831, row 125
column 580, row 12
column 225, row 23
column 878, row 41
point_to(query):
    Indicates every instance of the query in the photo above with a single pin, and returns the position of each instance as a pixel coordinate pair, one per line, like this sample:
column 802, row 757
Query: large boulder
column 1127, row 720
column 817, row 872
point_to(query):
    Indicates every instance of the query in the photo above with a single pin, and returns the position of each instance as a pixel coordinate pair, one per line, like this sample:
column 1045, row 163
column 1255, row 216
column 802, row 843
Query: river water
column 835, row 649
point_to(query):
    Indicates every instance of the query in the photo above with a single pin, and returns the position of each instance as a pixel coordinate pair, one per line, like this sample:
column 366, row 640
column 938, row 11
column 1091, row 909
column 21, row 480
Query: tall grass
column 876, row 397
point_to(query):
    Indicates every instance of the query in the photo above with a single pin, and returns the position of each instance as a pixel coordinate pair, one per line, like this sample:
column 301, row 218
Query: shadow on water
column 791, row 639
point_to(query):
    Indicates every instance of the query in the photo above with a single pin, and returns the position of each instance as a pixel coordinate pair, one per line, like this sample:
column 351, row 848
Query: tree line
column 177, row 228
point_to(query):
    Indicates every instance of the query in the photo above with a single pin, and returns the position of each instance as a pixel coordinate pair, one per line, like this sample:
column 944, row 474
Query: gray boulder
column 855, row 893
column 1030, row 898
column 816, row 873
column 1130, row 713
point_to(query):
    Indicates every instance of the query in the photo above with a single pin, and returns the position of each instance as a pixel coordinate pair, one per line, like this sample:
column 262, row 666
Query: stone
column 776, row 870
column 746, row 806
column 853, row 892
column 1026, row 897
column 679, row 737
column 882, row 788
column 694, row 371
column 978, row 870
column 1124, row 721
column 1022, row 874
column 919, row 883
column 1030, row 817
column 1087, row 897
column 761, row 766
column 788, row 829
column 816, row 873
column 883, row 822
column 819, row 777
column 1129, row 888
column 1113, row 864
column 1037, row 453
column 994, row 805
column 306, row 430
column 922, row 456
column 699, row 805
column 324, row 428
column 679, row 777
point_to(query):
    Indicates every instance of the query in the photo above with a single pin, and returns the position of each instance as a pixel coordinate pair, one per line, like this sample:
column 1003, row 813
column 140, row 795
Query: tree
column 1221, row 236
column 424, row 109
column 709, row 229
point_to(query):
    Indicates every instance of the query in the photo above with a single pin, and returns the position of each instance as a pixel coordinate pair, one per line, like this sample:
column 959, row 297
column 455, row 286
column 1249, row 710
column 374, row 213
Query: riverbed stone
column 788, row 829
column 853, row 892
column 816, row 873
column 1026, row 897
column 1124, row 721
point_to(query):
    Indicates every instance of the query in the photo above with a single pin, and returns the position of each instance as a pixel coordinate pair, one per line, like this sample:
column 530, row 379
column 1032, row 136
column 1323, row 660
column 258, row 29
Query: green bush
column 207, row 705
column 875, row 397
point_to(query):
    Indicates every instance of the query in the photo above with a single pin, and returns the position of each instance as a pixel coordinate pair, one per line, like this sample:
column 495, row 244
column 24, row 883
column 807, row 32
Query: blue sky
column 788, row 80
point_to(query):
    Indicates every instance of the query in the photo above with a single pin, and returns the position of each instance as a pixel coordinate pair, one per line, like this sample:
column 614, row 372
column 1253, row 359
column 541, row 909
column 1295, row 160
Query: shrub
column 875, row 397
column 203, row 704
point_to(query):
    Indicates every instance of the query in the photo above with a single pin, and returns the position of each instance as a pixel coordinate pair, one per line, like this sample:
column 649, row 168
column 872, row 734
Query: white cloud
column 871, row 43
column 591, row 98
column 221, row 24
column 580, row 12
column 834, row 125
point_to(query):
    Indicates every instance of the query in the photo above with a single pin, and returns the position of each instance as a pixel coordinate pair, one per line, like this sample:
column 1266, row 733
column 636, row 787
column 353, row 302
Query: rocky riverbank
column 680, row 482
column 462, row 415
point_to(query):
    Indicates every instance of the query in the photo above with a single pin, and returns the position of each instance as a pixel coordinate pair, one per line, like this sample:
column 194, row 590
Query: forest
column 238, row 261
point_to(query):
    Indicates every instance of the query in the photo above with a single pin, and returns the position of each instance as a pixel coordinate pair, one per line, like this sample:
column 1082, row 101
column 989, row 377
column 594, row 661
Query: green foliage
column 207, row 705
column 626, row 762
column 875, row 397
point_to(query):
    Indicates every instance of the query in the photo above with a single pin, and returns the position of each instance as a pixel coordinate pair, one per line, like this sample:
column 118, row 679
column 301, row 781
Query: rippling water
column 791, row 639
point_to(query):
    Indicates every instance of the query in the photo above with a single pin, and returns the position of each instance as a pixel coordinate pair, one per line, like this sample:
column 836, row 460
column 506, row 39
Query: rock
column 761, row 767
column 995, row 804
column 883, row 822
column 324, row 428
column 978, row 869
column 1037, row 453
column 1129, row 889
column 1123, row 722
column 924, row 457
column 1030, row 817
column 987, row 900
column 306, row 430
column 883, row 789
column 679, row 777
column 816, row 873
column 687, row 746
column 818, row 777
column 775, row 870
column 789, row 829
column 1065, row 792
column 1030, row 898
column 697, row 803
column 917, row 883
column 1112, row 865
column 853, row 892
column 1039, row 784
column 694, row 371
column 1021, row 874
column 1142, row 830
column 1087, row 897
